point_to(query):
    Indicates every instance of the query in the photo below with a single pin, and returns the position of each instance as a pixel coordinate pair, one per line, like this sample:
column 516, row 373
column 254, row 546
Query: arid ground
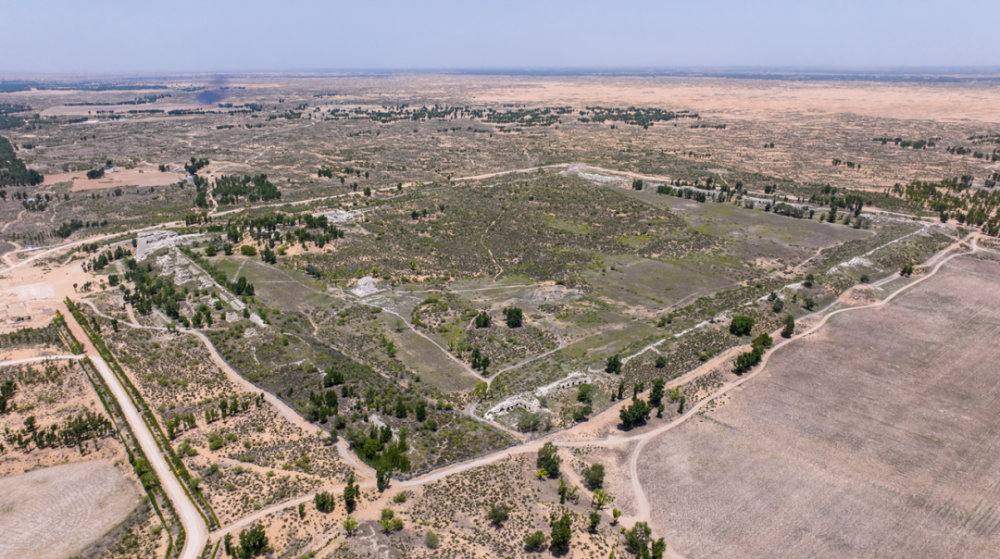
column 875, row 436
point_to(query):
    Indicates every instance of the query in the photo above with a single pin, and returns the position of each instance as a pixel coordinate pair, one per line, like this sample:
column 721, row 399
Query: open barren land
column 876, row 436
column 54, row 512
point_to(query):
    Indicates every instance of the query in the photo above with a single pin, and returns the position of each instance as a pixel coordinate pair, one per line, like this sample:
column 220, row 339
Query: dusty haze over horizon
column 111, row 36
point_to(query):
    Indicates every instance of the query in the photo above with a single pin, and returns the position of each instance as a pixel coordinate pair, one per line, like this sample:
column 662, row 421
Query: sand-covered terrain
column 56, row 511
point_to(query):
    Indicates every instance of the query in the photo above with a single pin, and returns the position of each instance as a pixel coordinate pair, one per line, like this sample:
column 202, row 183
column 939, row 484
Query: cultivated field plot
column 54, row 512
column 875, row 437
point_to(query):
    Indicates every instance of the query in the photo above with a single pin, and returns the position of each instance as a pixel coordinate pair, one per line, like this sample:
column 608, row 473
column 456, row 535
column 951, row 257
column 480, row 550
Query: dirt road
column 190, row 518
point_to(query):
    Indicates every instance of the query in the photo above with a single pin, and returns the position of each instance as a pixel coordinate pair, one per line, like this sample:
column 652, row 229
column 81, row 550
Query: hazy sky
column 246, row 35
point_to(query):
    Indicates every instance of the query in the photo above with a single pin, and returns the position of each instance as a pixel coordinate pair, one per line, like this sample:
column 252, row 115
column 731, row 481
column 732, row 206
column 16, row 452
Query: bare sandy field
column 762, row 99
column 875, row 437
column 54, row 512
column 124, row 177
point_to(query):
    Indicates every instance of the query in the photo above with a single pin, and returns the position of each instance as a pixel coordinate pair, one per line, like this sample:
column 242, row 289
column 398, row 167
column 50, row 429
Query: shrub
column 536, row 540
column 498, row 513
column 431, row 540
column 248, row 250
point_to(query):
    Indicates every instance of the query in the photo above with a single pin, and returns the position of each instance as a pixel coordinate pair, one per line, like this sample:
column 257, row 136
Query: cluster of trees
column 230, row 189
column 108, row 257
column 915, row 144
column 196, row 165
column 323, row 405
column 151, row 290
column 66, row 229
column 635, row 413
column 746, row 361
column 636, row 116
column 640, row 542
column 782, row 208
column 378, row 448
column 524, row 117
column 72, row 432
column 187, row 419
column 12, row 170
column 241, row 287
column 479, row 361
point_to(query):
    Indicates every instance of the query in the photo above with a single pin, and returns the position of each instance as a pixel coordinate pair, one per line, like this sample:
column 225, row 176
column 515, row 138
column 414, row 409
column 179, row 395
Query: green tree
column 253, row 542
column 325, row 502
column 789, row 328
column 614, row 365
column 907, row 270
column 562, row 532
column 350, row 525
column 656, row 394
column 741, row 325
column 594, row 475
column 389, row 521
column 483, row 320
column 601, row 498
column 638, row 537
column 810, row 279
column 635, row 413
column 514, row 317
column 549, row 460
column 661, row 362
column 595, row 521
column 351, row 492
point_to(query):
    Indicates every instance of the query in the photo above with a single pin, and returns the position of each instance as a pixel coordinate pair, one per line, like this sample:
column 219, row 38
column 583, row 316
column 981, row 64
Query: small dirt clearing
column 875, row 436
column 54, row 512
column 125, row 177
